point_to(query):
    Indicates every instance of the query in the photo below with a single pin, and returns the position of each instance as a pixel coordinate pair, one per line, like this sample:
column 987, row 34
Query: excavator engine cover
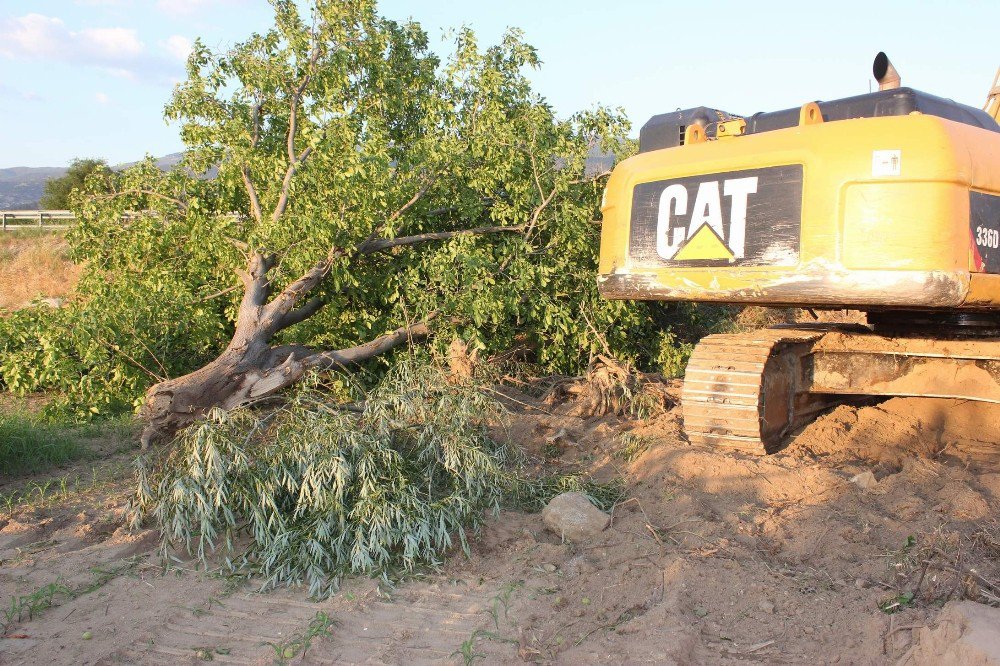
column 877, row 202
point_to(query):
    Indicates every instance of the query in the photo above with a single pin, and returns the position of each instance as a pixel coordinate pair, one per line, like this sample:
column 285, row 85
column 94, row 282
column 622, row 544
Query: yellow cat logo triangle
column 704, row 244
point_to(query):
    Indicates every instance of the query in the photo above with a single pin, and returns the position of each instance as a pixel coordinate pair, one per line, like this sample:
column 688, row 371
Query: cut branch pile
column 324, row 491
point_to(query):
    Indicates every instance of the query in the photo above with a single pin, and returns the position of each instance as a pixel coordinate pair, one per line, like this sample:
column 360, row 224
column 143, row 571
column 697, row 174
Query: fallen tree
column 428, row 139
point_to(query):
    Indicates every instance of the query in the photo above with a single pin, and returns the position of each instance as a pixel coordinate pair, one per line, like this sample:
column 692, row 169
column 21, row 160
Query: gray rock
column 574, row 518
column 965, row 632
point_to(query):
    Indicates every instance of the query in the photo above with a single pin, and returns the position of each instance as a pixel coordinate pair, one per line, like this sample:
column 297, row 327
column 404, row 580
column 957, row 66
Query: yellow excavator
column 887, row 203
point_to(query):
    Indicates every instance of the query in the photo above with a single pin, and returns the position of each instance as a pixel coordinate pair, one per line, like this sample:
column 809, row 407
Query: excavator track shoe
column 741, row 390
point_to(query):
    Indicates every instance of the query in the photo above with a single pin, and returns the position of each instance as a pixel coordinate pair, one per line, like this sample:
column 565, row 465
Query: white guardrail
column 35, row 219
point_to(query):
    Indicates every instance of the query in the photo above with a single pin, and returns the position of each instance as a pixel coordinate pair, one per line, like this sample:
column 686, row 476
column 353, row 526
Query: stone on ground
column 965, row 632
column 574, row 518
column 866, row 480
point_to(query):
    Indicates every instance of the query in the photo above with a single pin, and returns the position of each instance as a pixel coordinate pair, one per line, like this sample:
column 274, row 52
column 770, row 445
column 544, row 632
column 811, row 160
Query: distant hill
column 22, row 187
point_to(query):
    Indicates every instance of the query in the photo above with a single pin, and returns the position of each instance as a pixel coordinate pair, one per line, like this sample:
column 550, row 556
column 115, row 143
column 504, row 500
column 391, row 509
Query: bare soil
column 711, row 557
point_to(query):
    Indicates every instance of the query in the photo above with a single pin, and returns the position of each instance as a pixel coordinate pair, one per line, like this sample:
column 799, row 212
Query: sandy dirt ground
column 712, row 557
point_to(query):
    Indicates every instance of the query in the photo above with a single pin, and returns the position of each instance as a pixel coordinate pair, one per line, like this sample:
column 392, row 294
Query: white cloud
column 101, row 98
column 32, row 35
column 180, row 7
column 117, row 50
column 178, row 46
column 111, row 43
column 6, row 92
column 122, row 73
column 37, row 36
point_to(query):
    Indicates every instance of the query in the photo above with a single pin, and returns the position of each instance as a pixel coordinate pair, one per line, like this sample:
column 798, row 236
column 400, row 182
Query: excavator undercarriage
column 748, row 391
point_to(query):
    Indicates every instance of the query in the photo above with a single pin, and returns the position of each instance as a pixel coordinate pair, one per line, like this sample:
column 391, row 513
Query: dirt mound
column 900, row 429
column 964, row 633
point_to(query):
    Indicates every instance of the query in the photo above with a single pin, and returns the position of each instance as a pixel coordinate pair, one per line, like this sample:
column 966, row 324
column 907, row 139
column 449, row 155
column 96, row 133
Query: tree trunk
column 239, row 376
column 250, row 368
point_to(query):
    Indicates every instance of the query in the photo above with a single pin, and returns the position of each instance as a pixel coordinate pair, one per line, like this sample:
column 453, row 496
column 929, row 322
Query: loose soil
column 712, row 557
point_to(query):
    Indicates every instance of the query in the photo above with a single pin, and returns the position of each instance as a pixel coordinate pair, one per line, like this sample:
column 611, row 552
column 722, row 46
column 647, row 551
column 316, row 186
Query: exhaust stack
column 885, row 73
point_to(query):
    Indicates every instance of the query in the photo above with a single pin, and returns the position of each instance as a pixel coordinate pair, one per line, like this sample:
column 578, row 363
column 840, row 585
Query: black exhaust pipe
column 884, row 72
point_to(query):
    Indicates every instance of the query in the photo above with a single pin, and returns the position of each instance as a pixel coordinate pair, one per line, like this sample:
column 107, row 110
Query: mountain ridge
column 22, row 187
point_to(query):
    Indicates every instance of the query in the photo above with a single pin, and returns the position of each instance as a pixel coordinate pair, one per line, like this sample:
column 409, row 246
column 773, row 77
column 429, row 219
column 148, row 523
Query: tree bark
column 241, row 375
column 251, row 368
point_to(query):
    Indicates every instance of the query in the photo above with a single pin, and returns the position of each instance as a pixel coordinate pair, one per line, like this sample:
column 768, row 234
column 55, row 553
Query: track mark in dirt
column 422, row 624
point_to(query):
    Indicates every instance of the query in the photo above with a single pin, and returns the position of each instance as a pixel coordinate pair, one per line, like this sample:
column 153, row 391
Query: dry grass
column 34, row 265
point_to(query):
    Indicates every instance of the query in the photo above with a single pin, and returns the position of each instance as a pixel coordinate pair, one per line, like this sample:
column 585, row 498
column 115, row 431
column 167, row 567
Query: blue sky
column 89, row 78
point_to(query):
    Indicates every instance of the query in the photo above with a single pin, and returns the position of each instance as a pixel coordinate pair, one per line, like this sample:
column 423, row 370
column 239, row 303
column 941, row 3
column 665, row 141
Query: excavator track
column 748, row 391
column 741, row 390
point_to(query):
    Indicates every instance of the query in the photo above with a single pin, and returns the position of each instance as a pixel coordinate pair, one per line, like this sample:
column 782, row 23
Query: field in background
column 34, row 265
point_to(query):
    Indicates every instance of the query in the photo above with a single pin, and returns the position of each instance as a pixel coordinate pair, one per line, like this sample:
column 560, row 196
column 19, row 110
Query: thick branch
column 591, row 179
column 294, row 160
column 279, row 313
column 255, row 209
column 368, row 350
column 383, row 244
column 278, row 309
column 296, row 98
column 286, row 184
column 378, row 228
column 255, row 124
column 308, row 309
column 541, row 207
column 257, row 289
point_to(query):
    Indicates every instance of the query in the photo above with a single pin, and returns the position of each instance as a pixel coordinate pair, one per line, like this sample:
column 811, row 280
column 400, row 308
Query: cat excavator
column 886, row 203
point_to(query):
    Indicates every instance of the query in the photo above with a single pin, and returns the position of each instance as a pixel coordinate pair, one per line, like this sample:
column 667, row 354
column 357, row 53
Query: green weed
column 503, row 600
column 897, row 603
column 467, row 650
column 632, row 446
column 36, row 494
column 208, row 653
column 321, row 625
column 30, row 605
column 498, row 609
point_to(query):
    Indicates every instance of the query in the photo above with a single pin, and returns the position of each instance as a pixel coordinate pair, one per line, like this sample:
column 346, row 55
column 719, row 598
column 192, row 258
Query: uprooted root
column 610, row 387
column 933, row 569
